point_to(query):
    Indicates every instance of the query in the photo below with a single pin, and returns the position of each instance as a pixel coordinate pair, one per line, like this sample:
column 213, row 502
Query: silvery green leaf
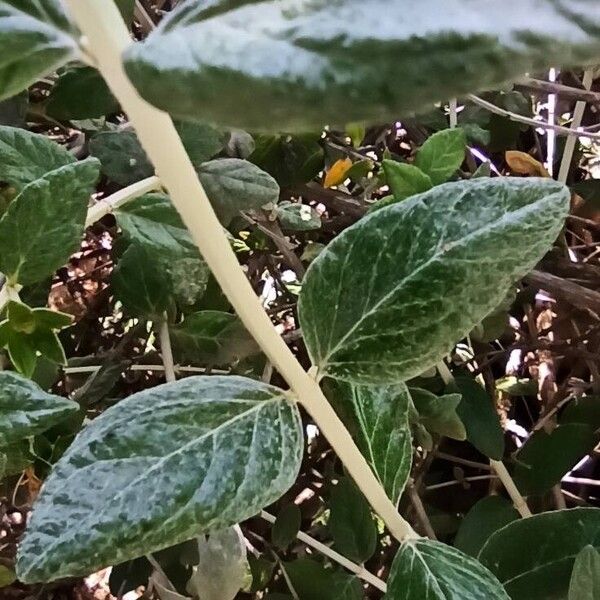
column 438, row 413
column 26, row 156
column 36, row 38
column 533, row 558
column 26, row 410
column 159, row 468
column 44, row 224
column 389, row 297
column 428, row 570
column 296, row 64
column 585, row 579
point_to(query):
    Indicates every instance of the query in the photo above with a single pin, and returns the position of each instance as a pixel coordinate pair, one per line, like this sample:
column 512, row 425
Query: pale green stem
column 165, row 349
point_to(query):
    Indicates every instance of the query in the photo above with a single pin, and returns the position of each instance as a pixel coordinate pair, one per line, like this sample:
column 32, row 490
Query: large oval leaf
column 298, row 63
column 533, row 558
column 388, row 297
column 428, row 570
column 159, row 468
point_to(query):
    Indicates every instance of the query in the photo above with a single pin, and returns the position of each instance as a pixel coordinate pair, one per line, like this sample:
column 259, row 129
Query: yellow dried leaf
column 524, row 164
column 337, row 172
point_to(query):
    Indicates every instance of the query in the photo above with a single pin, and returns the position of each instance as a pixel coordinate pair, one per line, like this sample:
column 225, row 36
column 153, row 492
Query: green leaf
column 233, row 185
column 484, row 518
column 81, row 93
column 26, row 410
column 22, row 354
column 20, row 317
column 546, row 457
column 286, row 526
column 378, row 418
column 312, row 581
column 298, row 217
column 280, row 66
column 211, row 337
column 44, row 224
column 159, row 468
column 122, row 156
column 438, row 413
column 533, row 558
column 427, row 570
column 351, row 522
column 201, row 140
column 480, row 418
column 367, row 300
column 36, row 38
column 405, row 180
column 585, row 579
column 26, row 157
column 584, row 410
column 442, row 154
column 7, row 576
column 126, row 7
column 47, row 344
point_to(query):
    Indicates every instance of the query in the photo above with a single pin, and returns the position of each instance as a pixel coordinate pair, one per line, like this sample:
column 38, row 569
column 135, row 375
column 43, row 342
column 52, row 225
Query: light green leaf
column 296, row 65
column 442, row 154
column 26, row 410
column 378, row 418
column 298, row 217
column 484, row 518
column 36, row 38
column 585, row 579
column 546, row 457
column 233, row 184
column 351, row 522
column 405, row 180
column 81, row 93
column 159, row 468
column 286, row 526
column 212, row 337
column 438, row 413
column 533, row 558
column 427, row 570
column 368, row 299
column 26, row 157
column 7, row 576
column 44, row 223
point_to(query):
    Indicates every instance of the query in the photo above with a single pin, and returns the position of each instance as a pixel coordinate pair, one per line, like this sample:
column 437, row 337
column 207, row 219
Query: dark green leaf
column 442, row 154
column 427, row 570
column 312, row 581
column 438, row 413
column 280, row 66
column 298, row 217
column 126, row 7
column 389, row 296
column 405, row 180
column 201, row 140
column 261, row 570
column 351, row 522
column 286, row 526
column 36, row 38
column 589, row 190
column 18, row 457
column 26, row 410
column 161, row 467
column 14, row 110
column 26, row 157
column 81, row 93
column 584, row 410
column 486, row 517
column 7, row 576
column 533, row 558
column 546, row 457
column 585, row 579
column 22, row 353
column 44, row 224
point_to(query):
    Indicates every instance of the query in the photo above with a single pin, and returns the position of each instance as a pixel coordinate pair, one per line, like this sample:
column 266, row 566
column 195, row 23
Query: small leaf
column 22, row 354
column 438, row 413
column 405, row 180
column 367, row 300
column 7, row 576
column 26, row 410
column 442, row 154
column 426, row 569
column 201, row 140
column 298, row 217
column 585, row 579
column 286, row 526
column 533, row 558
column 44, row 224
column 337, row 172
column 351, row 522
column 159, row 468
column 524, row 164
column 484, row 518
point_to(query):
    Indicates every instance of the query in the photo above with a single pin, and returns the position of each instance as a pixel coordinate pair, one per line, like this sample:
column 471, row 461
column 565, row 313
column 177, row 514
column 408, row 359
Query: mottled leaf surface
column 533, row 557
column 36, row 37
column 293, row 64
column 390, row 295
column 298, row 217
column 159, row 468
column 25, row 409
column 44, row 223
column 428, row 570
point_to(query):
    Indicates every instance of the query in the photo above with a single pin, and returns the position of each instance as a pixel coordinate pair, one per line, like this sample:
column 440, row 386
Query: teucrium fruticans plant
column 224, row 447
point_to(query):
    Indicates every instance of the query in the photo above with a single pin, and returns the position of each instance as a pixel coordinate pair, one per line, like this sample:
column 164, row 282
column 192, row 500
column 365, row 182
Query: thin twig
column 438, row 486
column 415, row 500
column 165, row 349
column 564, row 91
column 178, row 369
